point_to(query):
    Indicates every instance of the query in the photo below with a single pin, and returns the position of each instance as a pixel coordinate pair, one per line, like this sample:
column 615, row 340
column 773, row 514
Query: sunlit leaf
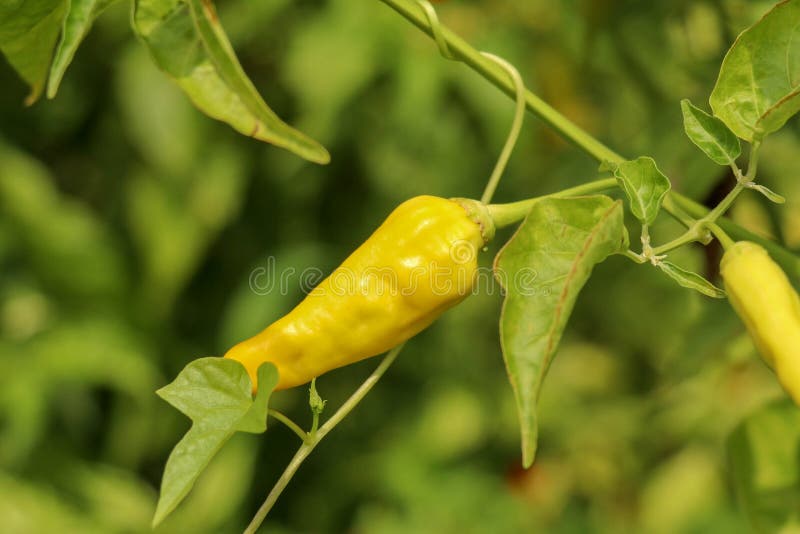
column 543, row 268
column 710, row 134
column 759, row 81
column 28, row 33
column 188, row 43
column 216, row 394
column 765, row 456
column 644, row 185
column 691, row 280
column 77, row 23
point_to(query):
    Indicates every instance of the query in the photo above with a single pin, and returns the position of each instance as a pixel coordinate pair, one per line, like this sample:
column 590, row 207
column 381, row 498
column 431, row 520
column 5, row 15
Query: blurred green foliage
column 130, row 225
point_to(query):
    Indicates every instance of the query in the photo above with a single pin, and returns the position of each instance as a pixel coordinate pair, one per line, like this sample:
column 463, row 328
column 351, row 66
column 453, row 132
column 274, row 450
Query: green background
column 130, row 225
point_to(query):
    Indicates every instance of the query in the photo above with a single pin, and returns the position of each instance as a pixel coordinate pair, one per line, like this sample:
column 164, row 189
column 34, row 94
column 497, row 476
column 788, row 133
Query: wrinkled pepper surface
column 421, row 261
column 769, row 306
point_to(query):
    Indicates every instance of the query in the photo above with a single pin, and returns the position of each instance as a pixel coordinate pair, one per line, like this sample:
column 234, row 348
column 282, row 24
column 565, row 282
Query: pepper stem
column 480, row 215
column 503, row 215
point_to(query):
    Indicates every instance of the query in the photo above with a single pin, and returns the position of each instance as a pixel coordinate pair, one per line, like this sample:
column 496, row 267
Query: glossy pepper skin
column 769, row 306
column 421, row 261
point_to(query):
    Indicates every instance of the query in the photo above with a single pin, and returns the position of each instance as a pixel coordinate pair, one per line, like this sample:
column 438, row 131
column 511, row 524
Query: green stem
column 699, row 228
column 720, row 209
column 786, row 259
column 721, row 236
column 696, row 231
column 498, row 77
column 312, row 434
column 691, row 235
column 495, row 74
column 294, row 427
column 507, row 214
column 647, row 249
column 752, row 166
column 631, row 255
column 306, row 448
column 513, row 134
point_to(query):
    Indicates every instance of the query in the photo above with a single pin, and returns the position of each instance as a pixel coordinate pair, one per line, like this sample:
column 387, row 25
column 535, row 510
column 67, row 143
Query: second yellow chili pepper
column 764, row 298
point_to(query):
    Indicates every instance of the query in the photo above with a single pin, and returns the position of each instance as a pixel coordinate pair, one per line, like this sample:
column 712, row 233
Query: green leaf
column 644, row 185
column 543, row 268
column 765, row 456
column 81, row 14
column 710, row 134
column 28, row 33
column 691, row 280
column 208, row 510
column 771, row 195
column 215, row 393
column 254, row 421
column 188, row 43
column 759, row 81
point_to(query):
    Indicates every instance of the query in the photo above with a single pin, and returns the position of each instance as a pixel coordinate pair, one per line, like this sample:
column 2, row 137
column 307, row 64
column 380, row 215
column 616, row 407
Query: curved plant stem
column 289, row 423
column 457, row 48
column 631, row 255
column 436, row 29
column 495, row 74
column 513, row 134
column 507, row 214
column 675, row 204
column 787, row 260
column 752, row 166
column 696, row 231
column 305, row 449
column 721, row 236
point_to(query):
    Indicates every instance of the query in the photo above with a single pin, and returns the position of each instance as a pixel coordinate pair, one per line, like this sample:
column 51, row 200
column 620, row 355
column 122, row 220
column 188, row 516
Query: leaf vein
column 562, row 299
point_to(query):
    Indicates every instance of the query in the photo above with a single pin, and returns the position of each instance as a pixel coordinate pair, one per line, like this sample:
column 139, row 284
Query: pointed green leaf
column 644, row 185
column 768, row 193
column 759, row 82
column 691, row 280
column 710, row 134
column 765, row 456
column 216, row 394
column 28, row 33
column 81, row 15
column 542, row 269
column 187, row 42
column 222, row 55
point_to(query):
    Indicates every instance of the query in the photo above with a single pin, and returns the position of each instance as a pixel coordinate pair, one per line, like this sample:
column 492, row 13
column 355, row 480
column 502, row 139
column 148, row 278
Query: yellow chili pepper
column 764, row 298
column 421, row 261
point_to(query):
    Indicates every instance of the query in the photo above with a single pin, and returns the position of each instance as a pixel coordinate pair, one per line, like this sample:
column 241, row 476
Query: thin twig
column 305, row 449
